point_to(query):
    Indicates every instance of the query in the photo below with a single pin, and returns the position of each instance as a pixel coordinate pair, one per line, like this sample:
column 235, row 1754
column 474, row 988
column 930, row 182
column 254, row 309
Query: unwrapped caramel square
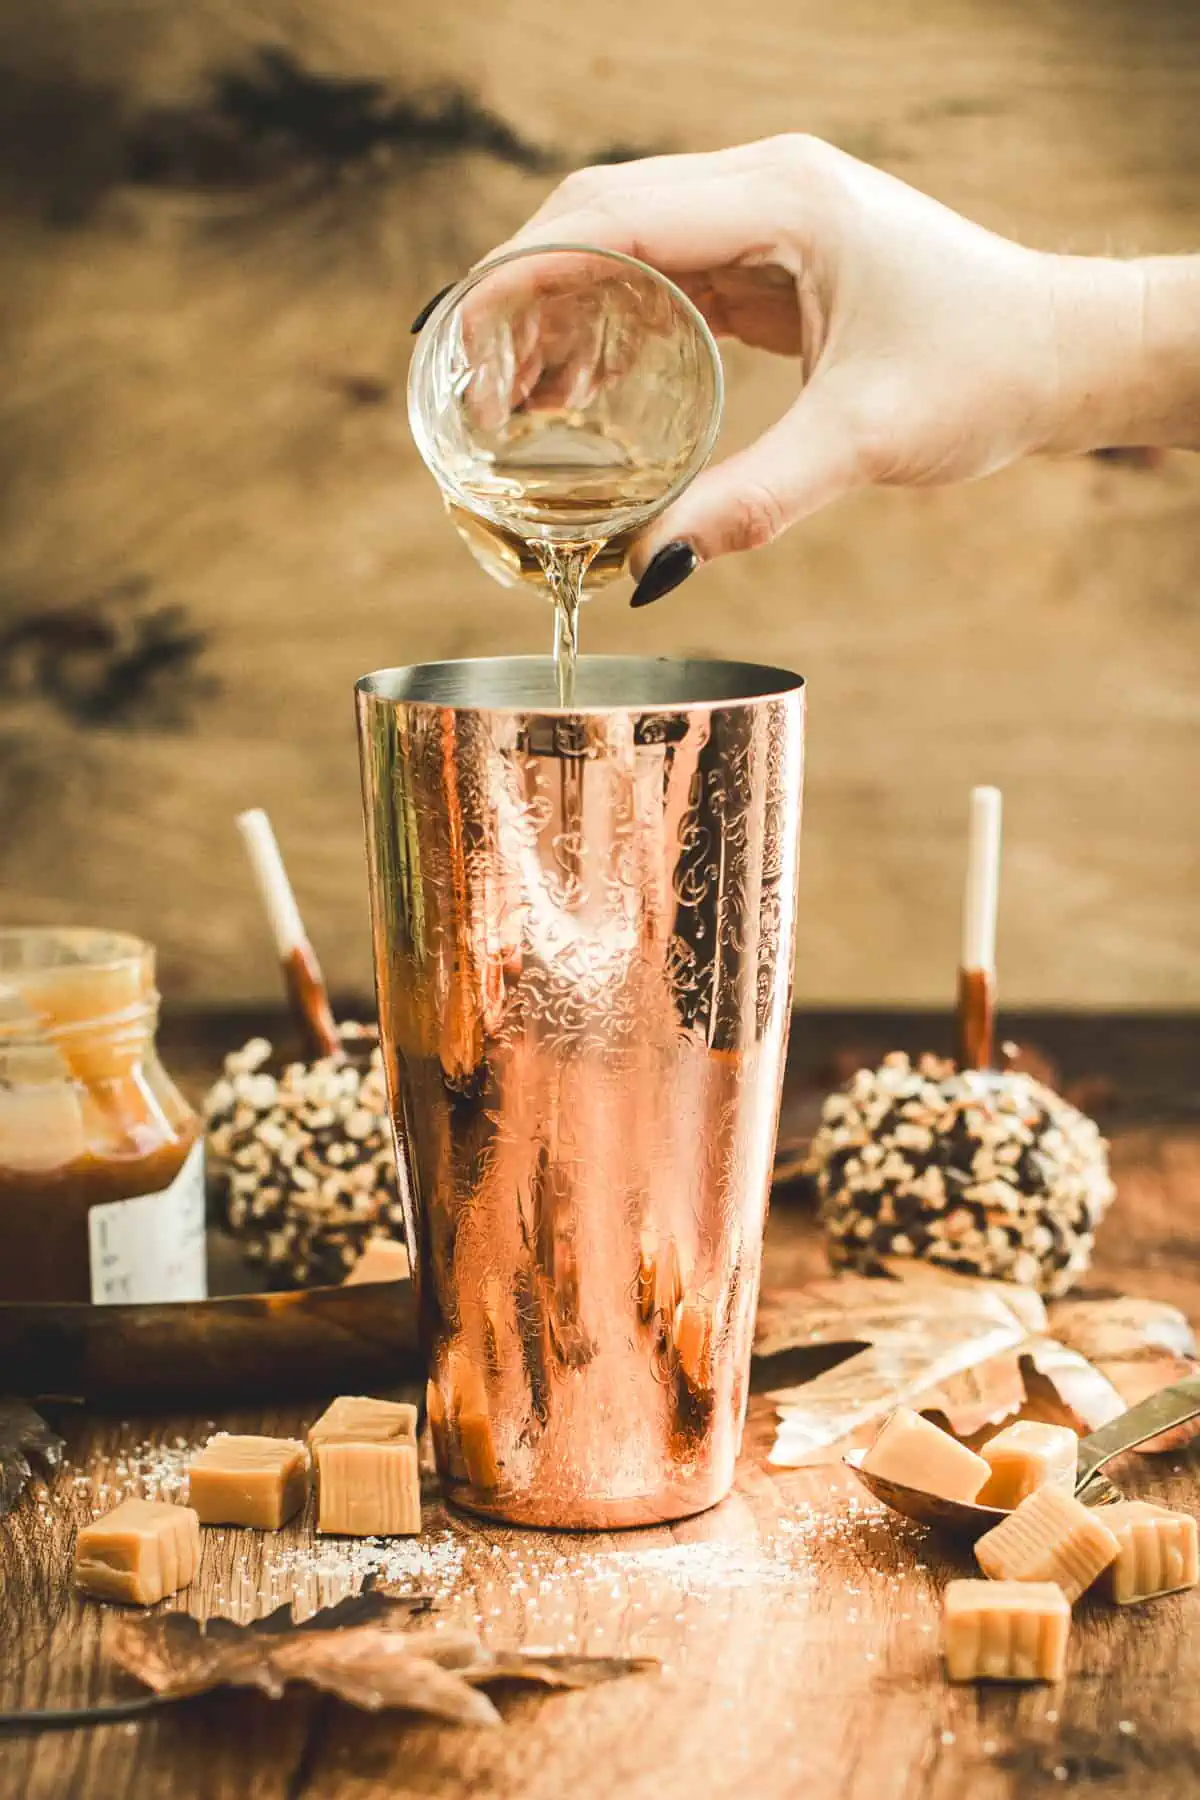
column 913, row 1452
column 364, row 1420
column 368, row 1490
column 368, row 1477
column 1026, row 1456
column 1158, row 1552
column 258, row 1481
column 1005, row 1631
column 1050, row 1537
column 139, row 1552
column 384, row 1259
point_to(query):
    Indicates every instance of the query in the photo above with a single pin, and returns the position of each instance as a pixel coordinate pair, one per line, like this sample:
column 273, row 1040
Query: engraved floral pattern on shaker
column 583, row 930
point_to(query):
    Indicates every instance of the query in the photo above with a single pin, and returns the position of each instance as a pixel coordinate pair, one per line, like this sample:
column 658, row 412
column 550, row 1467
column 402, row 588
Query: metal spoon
column 1161, row 1412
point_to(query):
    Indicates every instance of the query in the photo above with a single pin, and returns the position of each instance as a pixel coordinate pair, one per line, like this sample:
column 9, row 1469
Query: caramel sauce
column 88, row 1116
column 44, row 1251
column 310, row 1001
column 976, row 1018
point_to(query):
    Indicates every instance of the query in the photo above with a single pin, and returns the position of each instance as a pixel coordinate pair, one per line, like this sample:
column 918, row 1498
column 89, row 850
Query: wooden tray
column 234, row 1346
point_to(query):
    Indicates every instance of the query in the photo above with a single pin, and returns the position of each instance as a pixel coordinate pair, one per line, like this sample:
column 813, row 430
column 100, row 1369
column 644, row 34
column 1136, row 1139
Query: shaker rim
column 526, row 684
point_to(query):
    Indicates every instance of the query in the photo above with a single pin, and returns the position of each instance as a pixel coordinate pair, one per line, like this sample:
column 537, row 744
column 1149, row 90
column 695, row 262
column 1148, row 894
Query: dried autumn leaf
column 354, row 1651
column 978, row 1400
column 25, row 1440
column 1112, row 1329
column 1140, row 1346
column 910, row 1342
column 463, row 1652
column 970, row 1353
column 1064, row 1388
column 1040, row 1379
column 1137, row 1377
column 1029, row 1306
column 377, row 1670
column 175, row 1654
column 553, row 1670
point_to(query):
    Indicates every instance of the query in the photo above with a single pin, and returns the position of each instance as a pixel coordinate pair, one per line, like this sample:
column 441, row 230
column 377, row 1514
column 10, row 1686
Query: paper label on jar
column 152, row 1248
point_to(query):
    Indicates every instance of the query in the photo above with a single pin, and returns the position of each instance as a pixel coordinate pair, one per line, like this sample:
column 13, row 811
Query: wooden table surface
column 796, row 1626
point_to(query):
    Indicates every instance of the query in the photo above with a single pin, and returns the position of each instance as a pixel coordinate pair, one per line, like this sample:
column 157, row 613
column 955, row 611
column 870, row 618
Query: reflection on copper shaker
column 583, row 928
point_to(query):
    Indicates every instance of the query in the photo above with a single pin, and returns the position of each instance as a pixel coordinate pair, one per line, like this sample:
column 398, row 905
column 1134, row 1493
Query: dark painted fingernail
column 665, row 570
column 422, row 317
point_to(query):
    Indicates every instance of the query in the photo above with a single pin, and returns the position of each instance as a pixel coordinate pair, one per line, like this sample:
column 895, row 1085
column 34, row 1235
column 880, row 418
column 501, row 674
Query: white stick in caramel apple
column 301, row 970
column 977, row 962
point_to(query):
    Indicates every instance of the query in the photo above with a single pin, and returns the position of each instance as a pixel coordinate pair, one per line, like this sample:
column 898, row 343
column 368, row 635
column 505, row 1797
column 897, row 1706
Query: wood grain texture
column 215, row 225
column 796, row 1624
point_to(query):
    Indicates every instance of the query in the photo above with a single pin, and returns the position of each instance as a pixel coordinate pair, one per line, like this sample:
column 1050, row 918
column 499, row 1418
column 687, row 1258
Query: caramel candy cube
column 914, row 1453
column 1050, row 1537
column 364, row 1420
column 383, row 1260
column 1005, row 1631
column 1157, row 1551
column 139, row 1552
column 1027, row 1456
column 368, row 1489
column 259, row 1481
column 368, row 1477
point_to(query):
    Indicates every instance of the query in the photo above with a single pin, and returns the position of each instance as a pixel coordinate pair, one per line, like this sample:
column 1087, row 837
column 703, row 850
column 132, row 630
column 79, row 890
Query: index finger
column 679, row 214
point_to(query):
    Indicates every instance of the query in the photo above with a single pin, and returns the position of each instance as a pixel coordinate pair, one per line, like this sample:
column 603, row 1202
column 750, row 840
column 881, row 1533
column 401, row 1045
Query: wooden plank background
column 215, row 224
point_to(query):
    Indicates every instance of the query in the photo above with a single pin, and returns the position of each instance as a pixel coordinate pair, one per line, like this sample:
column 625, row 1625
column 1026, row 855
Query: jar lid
column 54, row 980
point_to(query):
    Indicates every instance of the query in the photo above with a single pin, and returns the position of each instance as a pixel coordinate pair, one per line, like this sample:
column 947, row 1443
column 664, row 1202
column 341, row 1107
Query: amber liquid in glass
column 572, row 499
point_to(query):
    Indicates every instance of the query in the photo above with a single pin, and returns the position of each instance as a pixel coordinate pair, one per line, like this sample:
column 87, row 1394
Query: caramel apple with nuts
column 980, row 1170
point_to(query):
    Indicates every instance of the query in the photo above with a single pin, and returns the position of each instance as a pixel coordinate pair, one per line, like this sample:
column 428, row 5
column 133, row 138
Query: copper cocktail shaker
column 583, row 926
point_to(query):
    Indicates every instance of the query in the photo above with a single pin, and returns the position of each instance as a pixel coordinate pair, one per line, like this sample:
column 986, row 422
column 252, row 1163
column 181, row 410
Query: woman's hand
column 931, row 350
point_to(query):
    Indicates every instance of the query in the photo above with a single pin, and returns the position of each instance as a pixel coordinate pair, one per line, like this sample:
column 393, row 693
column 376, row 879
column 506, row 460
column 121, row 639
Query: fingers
column 804, row 462
column 626, row 206
column 682, row 213
column 673, row 228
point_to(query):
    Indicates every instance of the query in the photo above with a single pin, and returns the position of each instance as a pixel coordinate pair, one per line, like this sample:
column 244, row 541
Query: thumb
column 803, row 462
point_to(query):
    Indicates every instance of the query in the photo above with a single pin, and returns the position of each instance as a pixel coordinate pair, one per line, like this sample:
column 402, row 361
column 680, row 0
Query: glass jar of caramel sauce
column 101, row 1157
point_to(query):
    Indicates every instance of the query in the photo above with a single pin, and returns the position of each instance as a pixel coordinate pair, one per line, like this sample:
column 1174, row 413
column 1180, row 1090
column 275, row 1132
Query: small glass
column 101, row 1157
column 562, row 398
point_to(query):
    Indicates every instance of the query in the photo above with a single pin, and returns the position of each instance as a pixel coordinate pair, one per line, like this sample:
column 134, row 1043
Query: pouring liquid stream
column 559, row 504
